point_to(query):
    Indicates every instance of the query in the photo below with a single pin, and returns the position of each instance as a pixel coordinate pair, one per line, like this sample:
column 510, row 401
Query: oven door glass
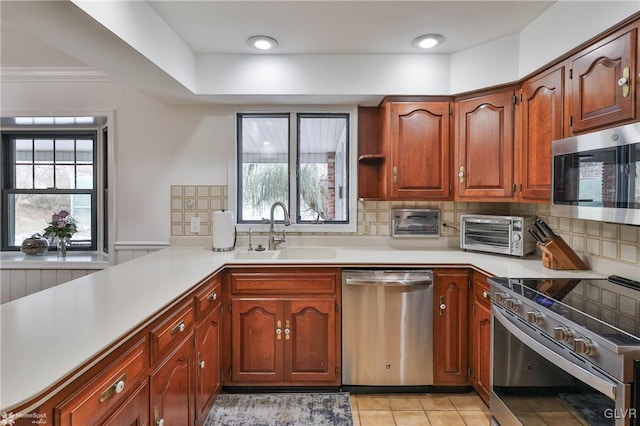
column 536, row 380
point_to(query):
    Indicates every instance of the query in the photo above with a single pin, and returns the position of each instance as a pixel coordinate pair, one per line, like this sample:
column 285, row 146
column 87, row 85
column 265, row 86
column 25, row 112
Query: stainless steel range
column 565, row 351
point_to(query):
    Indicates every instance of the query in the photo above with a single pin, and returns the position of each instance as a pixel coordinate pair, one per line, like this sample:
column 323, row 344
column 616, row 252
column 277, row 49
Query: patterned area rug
column 281, row 409
column 591, row 408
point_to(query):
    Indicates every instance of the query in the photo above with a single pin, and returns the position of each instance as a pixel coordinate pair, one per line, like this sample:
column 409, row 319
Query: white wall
column 566, row 25
column 156, row 145
column 485, row 65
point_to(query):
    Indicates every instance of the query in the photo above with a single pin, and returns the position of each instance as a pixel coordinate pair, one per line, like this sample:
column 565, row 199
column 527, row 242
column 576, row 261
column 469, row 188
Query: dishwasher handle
column 390, row 282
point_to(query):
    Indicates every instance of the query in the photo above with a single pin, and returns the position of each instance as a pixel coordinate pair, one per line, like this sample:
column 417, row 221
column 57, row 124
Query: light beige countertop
column 47, row 335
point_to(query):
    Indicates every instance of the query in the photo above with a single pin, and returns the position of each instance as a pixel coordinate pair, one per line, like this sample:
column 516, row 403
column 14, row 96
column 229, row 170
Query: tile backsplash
column 201, row 201
column 620, row 243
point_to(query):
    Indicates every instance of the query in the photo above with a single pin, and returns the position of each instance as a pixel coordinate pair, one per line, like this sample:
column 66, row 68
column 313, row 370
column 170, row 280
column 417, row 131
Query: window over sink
column 300, row 158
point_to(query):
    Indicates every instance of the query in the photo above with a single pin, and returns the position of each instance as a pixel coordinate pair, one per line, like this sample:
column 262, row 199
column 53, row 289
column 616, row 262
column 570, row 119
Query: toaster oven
column 497, row 234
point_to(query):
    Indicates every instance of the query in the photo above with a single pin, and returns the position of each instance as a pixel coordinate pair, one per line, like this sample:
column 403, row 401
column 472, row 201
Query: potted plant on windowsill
column 62, row 226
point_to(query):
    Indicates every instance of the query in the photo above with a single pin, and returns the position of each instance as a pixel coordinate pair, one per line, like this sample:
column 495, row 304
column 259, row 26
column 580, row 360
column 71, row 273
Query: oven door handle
column 607, row 387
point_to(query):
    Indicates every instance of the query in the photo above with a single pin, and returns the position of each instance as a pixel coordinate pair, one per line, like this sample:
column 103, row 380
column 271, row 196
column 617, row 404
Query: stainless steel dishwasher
column 387, row 327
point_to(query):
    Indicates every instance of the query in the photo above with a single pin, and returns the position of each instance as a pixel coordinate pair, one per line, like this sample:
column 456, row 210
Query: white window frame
column 352, row 224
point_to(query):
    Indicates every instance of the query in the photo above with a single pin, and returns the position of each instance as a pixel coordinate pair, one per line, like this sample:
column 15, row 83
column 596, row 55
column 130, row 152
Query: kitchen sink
column 306, row 253
column 246, row 254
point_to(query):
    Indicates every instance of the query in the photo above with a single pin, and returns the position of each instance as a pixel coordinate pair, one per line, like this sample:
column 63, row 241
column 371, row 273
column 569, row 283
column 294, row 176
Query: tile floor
column 419, row 409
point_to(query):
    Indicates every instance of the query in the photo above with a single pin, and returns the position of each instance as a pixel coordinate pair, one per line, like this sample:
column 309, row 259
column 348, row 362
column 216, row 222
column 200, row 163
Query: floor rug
column 281, row 409
column 592, row 408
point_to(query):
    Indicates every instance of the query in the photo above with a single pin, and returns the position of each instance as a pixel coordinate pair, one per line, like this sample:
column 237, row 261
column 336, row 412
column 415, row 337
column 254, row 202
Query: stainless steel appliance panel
column 387, row 327
column 497, row 234
column 415, row 223
column 596, row 176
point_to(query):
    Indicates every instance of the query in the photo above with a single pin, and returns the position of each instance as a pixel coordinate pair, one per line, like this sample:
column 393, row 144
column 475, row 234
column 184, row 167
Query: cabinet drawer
column 283, row 283
column 171, row 331
column 209, row 297
column 481, row 289
column 108, row 391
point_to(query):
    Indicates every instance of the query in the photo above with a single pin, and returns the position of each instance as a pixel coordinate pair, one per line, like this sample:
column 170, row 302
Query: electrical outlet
column 195, row 225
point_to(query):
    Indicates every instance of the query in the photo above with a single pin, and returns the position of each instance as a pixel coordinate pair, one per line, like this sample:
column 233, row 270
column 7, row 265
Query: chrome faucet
column 273, row 240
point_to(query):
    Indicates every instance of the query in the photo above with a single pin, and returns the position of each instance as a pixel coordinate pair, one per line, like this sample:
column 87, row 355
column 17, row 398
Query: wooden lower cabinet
column 292, row 336
column 256, row 337
column 134, row 411
column 172, row 387
column 310, row 352
column 450, row 327
column 480, row 336
column 208, row 365
column 278, row 340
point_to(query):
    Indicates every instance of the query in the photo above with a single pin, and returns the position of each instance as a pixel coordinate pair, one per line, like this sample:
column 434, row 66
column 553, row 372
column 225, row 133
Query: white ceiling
column 330, row 51
column 325, row 27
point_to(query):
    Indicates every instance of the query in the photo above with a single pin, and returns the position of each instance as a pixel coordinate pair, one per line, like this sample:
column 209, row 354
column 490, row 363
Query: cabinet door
column 256, row 339
column 134, row 411
column 450, row 333
column 172, row 387
column 481, row 349
column 208, row 367
column 484, row 145
column 541, row 120
column 310, row 341
column 419, row 150
column 597, row 98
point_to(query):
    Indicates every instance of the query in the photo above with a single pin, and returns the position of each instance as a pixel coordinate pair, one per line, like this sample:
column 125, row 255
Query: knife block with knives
column 556, row 253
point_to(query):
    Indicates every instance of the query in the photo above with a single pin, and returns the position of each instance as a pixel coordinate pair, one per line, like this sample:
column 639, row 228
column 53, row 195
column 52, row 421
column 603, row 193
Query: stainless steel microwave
column 497, row 234
column 596, row 176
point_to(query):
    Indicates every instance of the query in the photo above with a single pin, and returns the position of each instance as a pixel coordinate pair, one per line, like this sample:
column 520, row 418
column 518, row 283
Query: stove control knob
column 585, row 346
column 562, row 333
column 512, row 303
column 501, row 297
column 535, row 317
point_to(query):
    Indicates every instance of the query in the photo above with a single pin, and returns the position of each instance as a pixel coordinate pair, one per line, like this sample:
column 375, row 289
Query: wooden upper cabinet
column 541, row 121
column 419, row 145
column 599, row 95
column 484, row 147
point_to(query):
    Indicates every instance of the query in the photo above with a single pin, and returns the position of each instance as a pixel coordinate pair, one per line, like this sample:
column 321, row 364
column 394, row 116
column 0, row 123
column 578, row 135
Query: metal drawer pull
column 178, row 328
column 117, row 387
column 287, row 330
column 213, row 296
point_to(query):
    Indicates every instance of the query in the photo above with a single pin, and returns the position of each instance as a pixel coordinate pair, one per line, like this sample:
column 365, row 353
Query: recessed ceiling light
column 428, row 41
column 262, row 42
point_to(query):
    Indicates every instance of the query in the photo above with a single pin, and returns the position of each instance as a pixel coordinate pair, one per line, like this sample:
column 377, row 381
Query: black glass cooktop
column 609, row 307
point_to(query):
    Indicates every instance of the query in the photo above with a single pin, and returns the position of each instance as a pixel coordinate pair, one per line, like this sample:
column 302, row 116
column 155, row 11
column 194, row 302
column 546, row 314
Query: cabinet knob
column 485, row 294
column 178, row 328
column 461, row 174
column 160, row 422
column 287, row 330
column 213, row 296
column 279, row 330
column 117, row 387
column 201, row 364
column 395, row 175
